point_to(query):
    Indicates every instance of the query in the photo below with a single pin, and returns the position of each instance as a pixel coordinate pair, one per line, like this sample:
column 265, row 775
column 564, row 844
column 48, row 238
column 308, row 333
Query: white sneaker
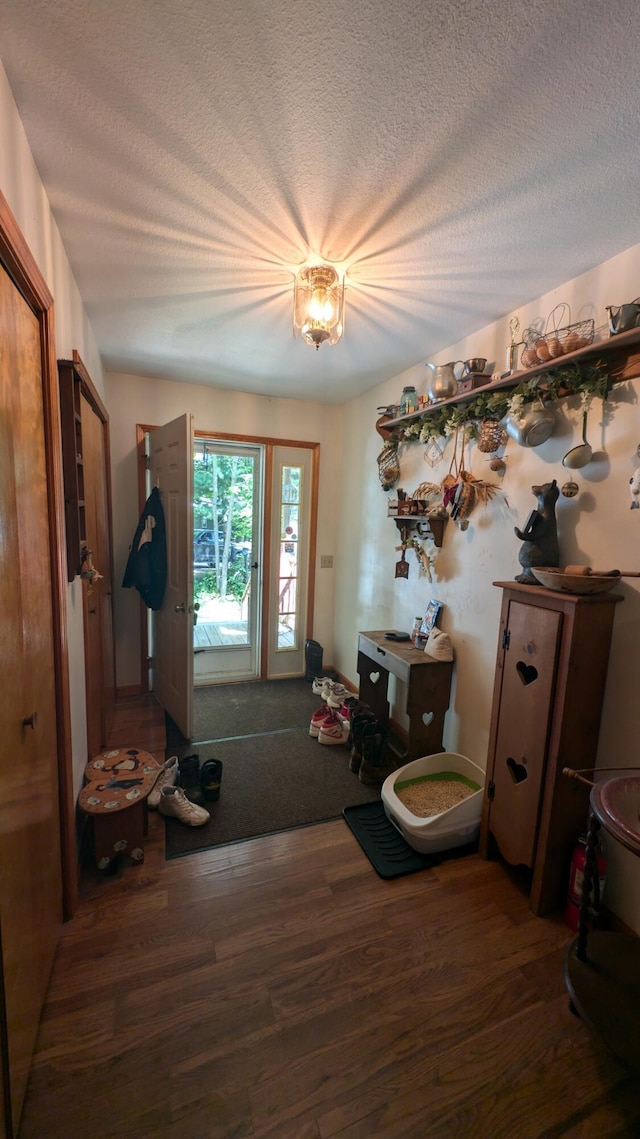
column 333, row 730
column 332, row 690
column 336, row 695
column 319, row 683
column 174, row 804
column 166, row 778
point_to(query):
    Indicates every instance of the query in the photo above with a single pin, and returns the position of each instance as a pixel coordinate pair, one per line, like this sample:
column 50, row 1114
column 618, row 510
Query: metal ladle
column 582, row 454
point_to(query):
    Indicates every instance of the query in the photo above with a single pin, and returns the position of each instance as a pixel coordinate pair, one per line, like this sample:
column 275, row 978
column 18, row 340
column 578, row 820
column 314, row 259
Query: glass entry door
column 227, row 545
column 288, row 590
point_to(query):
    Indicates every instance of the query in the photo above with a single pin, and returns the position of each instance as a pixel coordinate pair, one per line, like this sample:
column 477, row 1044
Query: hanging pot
column 533, row 427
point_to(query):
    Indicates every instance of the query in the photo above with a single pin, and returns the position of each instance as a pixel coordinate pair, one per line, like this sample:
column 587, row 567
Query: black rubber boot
column 358, row 724
column 210, row 779
column 189, row 779
column 377, row 761
column 313, row 659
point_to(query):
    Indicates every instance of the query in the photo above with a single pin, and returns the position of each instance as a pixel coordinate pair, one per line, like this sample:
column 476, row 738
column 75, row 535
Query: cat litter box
column 453, row 827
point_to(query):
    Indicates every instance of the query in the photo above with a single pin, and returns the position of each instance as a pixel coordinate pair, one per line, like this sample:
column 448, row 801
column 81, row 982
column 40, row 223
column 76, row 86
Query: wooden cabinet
column 428, row 687
column 32, row 728
column 73, row 464
column 551, row 669
column 86, row 462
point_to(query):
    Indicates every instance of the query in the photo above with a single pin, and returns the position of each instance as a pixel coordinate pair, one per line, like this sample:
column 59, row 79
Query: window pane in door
column 290, row 489
column 222, row 543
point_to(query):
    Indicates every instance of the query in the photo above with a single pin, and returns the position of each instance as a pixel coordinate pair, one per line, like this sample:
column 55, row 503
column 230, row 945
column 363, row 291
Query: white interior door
column 291, row 499
column 171, row 468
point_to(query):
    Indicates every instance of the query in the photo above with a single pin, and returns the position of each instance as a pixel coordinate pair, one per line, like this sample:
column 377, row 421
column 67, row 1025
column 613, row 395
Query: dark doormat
column 270, row 783
column 385, row 848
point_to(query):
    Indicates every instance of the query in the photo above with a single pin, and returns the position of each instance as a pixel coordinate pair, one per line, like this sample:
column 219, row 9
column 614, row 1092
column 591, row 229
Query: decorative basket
column 491, row 435
column 557, row 339
column 388, row 466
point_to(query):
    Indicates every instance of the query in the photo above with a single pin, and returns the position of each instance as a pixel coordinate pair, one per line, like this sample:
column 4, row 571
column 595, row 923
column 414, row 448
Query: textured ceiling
column 457, row 158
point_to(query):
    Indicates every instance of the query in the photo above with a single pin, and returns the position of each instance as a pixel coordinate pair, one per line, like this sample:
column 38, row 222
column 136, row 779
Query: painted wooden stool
column 118, row 782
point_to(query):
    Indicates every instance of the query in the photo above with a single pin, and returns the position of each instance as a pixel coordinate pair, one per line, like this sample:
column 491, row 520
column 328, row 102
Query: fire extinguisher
column 576, row 877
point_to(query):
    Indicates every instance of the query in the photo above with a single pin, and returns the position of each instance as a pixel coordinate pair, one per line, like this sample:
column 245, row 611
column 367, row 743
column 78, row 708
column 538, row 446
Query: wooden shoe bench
column 115, row 796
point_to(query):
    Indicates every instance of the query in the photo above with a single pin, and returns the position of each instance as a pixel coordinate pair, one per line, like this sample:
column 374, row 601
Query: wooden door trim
column 92, row 396
column 24, row 272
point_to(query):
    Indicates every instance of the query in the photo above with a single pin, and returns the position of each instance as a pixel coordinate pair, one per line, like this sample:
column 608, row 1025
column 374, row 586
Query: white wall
column 597, row 528
column 133, row 399
column 21, row 185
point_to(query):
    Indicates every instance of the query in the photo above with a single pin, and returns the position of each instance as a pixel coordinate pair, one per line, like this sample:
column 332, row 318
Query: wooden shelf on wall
column 621, row 355
column 434, row 524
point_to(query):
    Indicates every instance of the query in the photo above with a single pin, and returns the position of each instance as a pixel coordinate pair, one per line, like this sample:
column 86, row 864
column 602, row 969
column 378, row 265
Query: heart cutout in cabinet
column 517, row 771
column 527, row 672
column 427, row 718
column 374, row 677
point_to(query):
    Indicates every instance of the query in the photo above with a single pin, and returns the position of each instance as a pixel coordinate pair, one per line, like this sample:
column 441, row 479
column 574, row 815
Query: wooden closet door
column 30, row 864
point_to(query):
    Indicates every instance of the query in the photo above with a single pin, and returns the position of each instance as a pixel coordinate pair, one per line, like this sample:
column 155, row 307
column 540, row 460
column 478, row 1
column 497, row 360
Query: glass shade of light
column 318, row 305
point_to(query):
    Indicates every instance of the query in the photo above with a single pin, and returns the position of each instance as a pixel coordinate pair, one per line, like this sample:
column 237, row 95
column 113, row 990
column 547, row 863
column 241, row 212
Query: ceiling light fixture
column 318, row 305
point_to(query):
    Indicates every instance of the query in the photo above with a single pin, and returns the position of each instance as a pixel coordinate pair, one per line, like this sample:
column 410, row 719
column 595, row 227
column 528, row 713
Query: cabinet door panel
column 30, row 868
column 526, row 701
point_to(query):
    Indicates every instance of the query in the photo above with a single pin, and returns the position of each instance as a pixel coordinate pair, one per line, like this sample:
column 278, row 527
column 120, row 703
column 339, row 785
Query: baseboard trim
column 129, row 690
column 328, row 670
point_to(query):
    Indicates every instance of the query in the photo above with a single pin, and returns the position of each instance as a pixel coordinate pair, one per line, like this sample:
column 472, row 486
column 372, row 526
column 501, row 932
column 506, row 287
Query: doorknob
column 180, row 608
column 30, row 721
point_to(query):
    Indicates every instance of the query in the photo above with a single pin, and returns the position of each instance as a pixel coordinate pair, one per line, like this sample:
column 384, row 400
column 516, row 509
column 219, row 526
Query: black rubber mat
column 383, row 845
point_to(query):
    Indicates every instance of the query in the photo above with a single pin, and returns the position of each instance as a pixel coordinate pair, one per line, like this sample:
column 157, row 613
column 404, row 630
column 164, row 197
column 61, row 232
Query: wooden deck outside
column 214, row 634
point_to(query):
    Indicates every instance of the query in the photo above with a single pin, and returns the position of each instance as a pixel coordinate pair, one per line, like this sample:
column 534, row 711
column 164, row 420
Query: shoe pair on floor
column 330, row 690
column 330, row 724
column 182, row 787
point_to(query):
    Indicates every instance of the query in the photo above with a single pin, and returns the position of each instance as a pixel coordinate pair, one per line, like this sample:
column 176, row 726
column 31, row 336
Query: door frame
column 23, row 270
column 269, row 442
column 94, row 401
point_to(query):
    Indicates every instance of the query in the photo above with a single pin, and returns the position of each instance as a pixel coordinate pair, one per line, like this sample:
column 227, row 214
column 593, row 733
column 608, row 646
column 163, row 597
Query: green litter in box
column 437, row 777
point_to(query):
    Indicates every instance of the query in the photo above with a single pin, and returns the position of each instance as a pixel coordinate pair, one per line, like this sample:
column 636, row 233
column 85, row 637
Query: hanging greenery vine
column 588, row 380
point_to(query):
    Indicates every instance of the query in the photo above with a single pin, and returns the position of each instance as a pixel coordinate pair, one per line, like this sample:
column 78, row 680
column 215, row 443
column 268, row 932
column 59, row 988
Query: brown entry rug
column 271, row 783
column 224, row 710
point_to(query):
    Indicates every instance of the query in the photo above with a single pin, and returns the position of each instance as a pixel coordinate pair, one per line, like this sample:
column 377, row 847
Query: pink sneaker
column 318, row 719
column 333, row 730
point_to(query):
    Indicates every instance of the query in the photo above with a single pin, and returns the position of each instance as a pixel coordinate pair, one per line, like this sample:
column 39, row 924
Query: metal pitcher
column 623, row 317
column 442, row 383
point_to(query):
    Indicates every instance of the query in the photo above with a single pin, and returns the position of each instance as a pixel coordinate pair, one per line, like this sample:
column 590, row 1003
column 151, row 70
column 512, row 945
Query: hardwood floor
column 278, row 989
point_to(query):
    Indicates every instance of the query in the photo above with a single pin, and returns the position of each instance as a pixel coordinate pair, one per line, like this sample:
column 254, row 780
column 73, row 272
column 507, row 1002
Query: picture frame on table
column 430, row 619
